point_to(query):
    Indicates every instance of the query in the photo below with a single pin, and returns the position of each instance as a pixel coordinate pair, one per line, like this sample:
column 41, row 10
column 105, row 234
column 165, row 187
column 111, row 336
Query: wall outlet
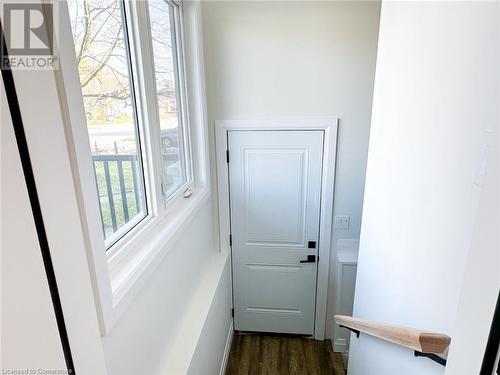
column 342, row 222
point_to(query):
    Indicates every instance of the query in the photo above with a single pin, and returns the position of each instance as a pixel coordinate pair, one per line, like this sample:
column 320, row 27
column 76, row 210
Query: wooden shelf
column 421, row 341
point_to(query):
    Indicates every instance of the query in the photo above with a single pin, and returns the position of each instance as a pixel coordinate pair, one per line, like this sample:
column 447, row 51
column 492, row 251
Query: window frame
column 139, row 49
column 119, row 273
column 181, row 91
column 136, row 223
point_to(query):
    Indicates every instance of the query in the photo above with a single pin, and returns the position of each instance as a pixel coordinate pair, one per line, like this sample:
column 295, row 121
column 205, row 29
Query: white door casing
column 329, row 127
column 275, row 195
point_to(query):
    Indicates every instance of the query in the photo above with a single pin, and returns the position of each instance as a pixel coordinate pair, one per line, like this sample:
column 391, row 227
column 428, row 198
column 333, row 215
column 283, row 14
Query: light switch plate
column 342, row 221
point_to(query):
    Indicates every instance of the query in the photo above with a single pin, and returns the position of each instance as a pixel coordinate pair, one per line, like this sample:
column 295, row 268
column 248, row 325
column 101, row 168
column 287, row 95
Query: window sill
column 209, row 293
column 130, row 268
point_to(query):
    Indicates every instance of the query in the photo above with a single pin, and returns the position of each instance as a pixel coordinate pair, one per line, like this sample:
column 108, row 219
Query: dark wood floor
column 274, row 355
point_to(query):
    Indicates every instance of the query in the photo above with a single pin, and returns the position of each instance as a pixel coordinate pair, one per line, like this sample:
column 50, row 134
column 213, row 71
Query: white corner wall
column 27, row 313
column 436, row 92
column 287, row 59
column 481, row 285
column 179, row 321
column 142, row 339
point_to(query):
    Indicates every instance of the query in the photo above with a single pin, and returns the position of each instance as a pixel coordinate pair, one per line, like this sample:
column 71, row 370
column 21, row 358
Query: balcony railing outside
column 119, row 188
column 122, row 194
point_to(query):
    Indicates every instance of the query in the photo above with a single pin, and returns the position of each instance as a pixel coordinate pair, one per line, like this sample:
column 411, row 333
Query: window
column 167, row 63
column 136, row 175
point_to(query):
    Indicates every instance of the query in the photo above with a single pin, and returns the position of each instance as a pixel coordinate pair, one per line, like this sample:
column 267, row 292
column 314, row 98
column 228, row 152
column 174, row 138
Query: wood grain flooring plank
column 283, row 357
column 296, row 362
column 234, row 355
column 255, row 360
column 311, row 355
column 261, row 354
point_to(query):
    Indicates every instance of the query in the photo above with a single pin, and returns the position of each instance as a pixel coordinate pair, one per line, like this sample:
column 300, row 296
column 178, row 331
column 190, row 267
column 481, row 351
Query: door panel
column 275, row 186
column 265, row 167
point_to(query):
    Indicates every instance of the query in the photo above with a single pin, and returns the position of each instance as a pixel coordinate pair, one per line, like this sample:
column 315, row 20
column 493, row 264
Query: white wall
column 44, row 128
column 436, row 91
column 29, row 332
column 142, row 340
column 482, row 275
column 296, row 59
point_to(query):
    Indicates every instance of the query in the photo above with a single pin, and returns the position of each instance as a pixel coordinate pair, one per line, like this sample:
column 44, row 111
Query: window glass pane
column 107, row 89
column 162, row 22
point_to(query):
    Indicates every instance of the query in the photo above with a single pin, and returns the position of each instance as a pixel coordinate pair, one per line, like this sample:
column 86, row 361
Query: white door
column 275, row 192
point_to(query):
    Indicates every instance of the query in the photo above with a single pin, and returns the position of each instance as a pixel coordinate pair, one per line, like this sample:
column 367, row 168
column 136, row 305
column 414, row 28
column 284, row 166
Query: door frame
column 329, row 125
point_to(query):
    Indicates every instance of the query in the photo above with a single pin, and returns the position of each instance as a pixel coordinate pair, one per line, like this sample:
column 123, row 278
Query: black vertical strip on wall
column 22, row 146
column 493, row 344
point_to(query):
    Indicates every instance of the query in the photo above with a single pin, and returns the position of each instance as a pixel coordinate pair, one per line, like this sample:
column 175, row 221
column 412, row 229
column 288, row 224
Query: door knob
column 310, row 259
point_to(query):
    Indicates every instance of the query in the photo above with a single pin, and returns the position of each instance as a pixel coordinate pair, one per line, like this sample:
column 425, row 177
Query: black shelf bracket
column 431, row 356
column 351, row 329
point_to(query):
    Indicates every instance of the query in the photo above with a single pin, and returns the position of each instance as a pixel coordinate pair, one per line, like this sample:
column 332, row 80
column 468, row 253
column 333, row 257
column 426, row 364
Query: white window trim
column 120, row 274
column 140, row 41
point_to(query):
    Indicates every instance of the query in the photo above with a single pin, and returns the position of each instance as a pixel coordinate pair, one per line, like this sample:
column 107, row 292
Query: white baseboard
column 227, row 349
column 339, row 345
